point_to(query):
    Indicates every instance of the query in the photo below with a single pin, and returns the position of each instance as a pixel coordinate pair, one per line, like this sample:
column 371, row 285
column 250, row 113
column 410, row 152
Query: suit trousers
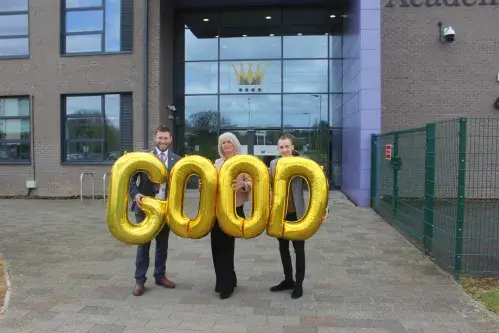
column 142, row 258
column 299, row 247
column 222, row 251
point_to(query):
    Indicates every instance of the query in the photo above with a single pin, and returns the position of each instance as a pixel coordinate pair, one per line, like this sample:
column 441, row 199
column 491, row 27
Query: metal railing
column 439, row 185
column 91, row 176
column 104, row 185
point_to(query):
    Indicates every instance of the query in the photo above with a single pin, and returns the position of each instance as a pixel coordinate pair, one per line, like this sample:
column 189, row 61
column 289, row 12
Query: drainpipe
column 33, row 141
column 145, row 107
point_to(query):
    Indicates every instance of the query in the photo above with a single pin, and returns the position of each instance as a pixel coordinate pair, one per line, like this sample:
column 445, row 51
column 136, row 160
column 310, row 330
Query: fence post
column 374, row 168
column 461, row 187
column 429, row 188
column 395, row 155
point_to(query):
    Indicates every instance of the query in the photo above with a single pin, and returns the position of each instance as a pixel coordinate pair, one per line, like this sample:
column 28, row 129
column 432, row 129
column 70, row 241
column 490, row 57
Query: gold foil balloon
column 286, row 169
column 228, row 220
column 117, row 203
column 179, row 174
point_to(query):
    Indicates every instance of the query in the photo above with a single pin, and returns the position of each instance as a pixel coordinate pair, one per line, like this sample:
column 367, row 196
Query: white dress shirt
column 161, row 195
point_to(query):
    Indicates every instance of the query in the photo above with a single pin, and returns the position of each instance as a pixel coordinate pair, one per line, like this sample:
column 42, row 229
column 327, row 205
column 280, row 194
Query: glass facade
column 260, row 73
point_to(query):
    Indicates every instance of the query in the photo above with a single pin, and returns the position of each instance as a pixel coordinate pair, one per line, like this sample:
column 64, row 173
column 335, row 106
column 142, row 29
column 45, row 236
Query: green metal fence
column 440, row 189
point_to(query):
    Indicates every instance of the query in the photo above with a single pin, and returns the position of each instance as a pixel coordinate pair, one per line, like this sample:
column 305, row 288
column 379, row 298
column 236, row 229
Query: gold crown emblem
column 250, row 77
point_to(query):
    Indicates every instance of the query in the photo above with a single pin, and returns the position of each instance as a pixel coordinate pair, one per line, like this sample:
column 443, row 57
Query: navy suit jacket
column 145, row 186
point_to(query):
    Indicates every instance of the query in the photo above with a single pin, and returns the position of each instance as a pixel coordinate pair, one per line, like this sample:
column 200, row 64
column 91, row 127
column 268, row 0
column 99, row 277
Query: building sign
column 438, row 3
column 248, row 79
column 388, row 152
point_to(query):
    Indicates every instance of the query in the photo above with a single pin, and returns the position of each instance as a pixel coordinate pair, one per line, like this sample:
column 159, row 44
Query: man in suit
column 141, row 186
column 296, row 210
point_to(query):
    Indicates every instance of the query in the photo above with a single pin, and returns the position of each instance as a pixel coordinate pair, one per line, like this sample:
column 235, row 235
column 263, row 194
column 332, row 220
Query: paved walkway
column 70, row 275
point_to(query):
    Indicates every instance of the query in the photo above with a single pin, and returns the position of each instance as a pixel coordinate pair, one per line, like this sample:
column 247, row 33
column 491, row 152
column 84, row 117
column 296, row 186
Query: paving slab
column 69, row 274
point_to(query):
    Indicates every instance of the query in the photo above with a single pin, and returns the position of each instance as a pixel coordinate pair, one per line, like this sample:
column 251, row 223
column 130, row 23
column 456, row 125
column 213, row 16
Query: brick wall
column 47, row 75
column 424, row 80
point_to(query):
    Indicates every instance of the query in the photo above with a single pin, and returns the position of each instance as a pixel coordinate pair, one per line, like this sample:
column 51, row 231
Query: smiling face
column 285, row 147
column 163, row 140
column 227, row 148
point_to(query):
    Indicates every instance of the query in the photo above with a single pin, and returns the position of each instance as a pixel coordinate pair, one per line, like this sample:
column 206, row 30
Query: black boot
column 284, row 285
column 297, row 291
column 226, row 294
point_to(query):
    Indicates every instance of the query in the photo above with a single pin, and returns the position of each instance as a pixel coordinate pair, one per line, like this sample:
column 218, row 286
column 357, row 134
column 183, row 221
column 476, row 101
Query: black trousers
column 222, row 251
column 299, row 247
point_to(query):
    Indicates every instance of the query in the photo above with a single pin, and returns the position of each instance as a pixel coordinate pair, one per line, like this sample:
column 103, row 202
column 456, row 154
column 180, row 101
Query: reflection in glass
column 82, row 3
column 265, row 144
column 113, row 26
column 242, row 136
column 87, row 20
column 305, row 76
column 312, row 143
column 87, row 128
column 202, row 47
column 201, row 78
column 93, row 127
column 113, row 108
column 306, row 46
column 83, row 105
column 336, row 76
column 88, row 151
column 305, row 110
column 336, row 156
column 14, row 129
column 14, row 107
column 257, row 45
column 14, row 25
column 15, row 151
column 250, row 76
column 201, row 142
column 84, row 43
column 14, row 47
column 201, row 113
column 251, row 110
column 336, row 109
column 335, row 46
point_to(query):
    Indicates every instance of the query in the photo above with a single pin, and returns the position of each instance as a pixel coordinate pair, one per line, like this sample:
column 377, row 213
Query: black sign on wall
column 439, row 3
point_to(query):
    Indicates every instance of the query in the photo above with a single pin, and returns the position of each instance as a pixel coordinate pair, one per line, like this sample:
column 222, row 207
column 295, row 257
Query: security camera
column 449, row 34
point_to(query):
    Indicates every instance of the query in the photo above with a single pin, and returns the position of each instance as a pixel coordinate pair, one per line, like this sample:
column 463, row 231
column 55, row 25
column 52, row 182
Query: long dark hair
column 295, row 153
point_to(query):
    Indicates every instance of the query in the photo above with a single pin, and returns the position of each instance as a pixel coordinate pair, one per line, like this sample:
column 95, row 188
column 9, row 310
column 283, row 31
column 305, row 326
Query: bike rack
column 104, row 178
column 91, row 174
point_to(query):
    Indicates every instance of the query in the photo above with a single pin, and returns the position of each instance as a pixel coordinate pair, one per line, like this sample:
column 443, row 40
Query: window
column 96, row 128
column 14, row 29
column 97, row 26
column 15, row 129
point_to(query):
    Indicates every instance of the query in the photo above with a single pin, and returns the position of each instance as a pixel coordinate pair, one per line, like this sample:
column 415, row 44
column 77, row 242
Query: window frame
column 27, row 36
column 64, row 33
column 29, row 140
column 102, row 116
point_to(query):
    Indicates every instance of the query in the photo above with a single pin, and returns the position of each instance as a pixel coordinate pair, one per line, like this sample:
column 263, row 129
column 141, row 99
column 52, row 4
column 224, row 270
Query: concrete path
column 70, row 275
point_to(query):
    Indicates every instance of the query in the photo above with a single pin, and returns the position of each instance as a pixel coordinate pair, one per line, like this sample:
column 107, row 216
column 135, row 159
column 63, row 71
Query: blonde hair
column 233, row 139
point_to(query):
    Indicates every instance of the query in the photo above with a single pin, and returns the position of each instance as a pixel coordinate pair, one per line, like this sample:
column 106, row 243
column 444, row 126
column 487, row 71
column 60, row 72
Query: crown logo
column 250, row 77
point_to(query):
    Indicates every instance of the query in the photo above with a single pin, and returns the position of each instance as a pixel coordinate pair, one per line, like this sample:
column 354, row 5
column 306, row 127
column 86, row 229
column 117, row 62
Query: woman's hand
column 238, row 185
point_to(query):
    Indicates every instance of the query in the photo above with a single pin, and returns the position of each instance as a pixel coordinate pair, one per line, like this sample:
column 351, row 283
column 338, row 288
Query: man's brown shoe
column 139, row 289
column 165, row 283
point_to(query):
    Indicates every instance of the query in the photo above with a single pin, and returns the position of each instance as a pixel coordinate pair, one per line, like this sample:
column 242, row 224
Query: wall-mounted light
column 445, row 35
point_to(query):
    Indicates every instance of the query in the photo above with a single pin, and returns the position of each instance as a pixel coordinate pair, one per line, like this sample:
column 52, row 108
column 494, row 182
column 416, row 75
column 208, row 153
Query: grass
column 3, row 283
column 485, row 290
